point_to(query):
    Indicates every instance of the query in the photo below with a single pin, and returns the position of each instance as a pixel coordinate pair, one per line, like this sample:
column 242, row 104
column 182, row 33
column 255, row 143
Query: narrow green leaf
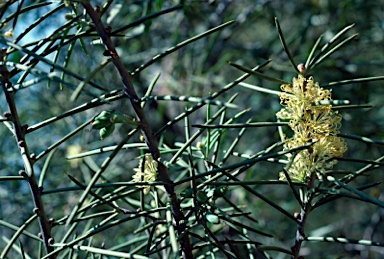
column 180, row 45
column 188, row 99
column 105, row 98
column 23, row 10
column 333, row 50
column 150, row 88
column 260, row 196
column 83, row 45
column 240, row 125
column 353, row 106
column 109, row 252
column 328, row 45
column 41, row 19
column 98, row 197
column 11, row 178
column 66, row 59
column 198, row 133
column 16, row 236
column 41, row 76
column 95, row 177
column 357, row 192
column 361, row 171
column 139, row 239
column 171, row 231
column 17, row 13
column 291, row 185
column 22, row 252
column 261, row 89
column 146, row 18
column 63, row 139
column 45, row 167
column 333, row 194
column 353, row 81
column 235, row 225
column 215, row 242
column 364, row 161
column 249, row 71
column 107, row 149
column 343, row 240
column 213, row 96
column 45, row 60
column 332, row 102
column 229, row 150
column 233, row 248
column 281, row 36
column 309, row 59
column 362, row 139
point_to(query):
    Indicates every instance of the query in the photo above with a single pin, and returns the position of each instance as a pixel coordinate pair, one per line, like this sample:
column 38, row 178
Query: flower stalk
column 314, row 122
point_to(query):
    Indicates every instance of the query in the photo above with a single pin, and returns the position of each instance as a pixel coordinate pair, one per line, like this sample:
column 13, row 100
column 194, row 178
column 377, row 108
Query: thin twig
column 150, row 140
column 302, row 217
column 28, row 173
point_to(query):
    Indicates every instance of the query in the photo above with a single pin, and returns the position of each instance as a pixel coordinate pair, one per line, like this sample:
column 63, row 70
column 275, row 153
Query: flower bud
column 105, row 132
column 100, row 124
column 301, row 68
column 68, row 16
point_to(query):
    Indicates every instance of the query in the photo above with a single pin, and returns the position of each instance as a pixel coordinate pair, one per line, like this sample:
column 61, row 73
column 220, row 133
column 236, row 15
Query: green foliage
column 195, row 173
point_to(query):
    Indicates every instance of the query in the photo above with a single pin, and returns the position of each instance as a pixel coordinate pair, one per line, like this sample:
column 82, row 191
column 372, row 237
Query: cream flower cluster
column 311, row 123
column 146, row 172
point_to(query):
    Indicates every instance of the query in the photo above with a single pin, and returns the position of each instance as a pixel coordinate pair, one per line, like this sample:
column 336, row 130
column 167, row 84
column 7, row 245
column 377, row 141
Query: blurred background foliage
column 197, row 70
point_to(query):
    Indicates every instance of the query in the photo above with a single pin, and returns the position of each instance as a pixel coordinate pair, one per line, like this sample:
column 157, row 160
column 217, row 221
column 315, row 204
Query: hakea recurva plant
column 312, row 121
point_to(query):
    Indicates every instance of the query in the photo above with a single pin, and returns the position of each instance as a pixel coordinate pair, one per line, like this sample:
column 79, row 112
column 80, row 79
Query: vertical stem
column 302, row 218
column 28, row 173
column 129, row 90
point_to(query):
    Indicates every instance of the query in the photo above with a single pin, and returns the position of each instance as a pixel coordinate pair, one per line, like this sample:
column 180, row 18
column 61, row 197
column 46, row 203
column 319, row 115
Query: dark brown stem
column 302, row 218
column 28, row 172
column 146, row 130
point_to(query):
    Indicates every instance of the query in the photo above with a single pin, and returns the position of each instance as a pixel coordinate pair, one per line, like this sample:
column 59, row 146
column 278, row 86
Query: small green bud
column 105, row 122
column 106, row 131
column 100, row 124
column 104, row 115
column 104, row 119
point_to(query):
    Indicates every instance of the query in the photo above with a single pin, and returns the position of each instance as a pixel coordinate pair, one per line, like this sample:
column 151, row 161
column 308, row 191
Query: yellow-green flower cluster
column 146, row 172
column 311, row 123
